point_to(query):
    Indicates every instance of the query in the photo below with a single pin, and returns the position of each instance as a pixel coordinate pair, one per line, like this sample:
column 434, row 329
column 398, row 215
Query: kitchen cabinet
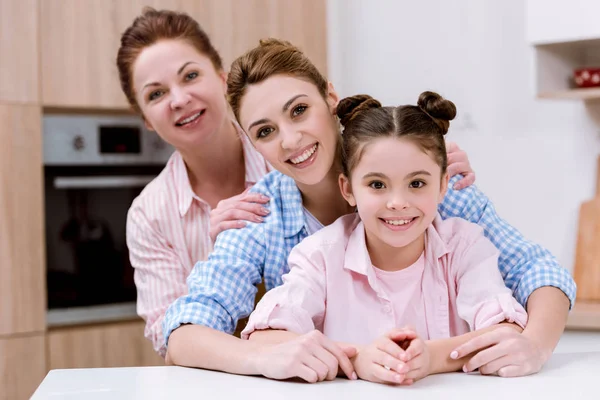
column 553, row 21
column 19, row 77
column 119, row 344
column 80, row 39
column 22, row 366
column 22, row 248
column 564, row 36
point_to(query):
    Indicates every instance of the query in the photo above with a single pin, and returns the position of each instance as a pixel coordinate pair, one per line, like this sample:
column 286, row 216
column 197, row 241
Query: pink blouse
column 167, row 233
column 333, row 287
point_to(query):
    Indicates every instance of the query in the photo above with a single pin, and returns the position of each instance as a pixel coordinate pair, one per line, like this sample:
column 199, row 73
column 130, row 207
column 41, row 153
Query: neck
column 216, row 169
column 324, row 199
column 389, row 258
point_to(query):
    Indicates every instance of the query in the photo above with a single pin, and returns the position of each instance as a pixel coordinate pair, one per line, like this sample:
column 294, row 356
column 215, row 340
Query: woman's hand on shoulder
column 458, row 163
column 312, row 357
column 233, row 213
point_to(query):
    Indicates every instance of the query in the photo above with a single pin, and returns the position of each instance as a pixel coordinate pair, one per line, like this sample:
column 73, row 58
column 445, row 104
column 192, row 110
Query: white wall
column 535, row 159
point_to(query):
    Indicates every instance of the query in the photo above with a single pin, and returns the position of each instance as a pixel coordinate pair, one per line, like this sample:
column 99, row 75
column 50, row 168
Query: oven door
column 87, row 258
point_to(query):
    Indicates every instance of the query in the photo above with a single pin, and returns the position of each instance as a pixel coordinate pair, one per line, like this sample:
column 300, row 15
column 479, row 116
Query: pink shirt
column 333, row 287
column 167, row 233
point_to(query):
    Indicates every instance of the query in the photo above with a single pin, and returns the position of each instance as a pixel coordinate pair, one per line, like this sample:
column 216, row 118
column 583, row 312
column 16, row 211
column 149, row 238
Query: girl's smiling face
column 396, row 187
column 292, row 126
column 180, row 93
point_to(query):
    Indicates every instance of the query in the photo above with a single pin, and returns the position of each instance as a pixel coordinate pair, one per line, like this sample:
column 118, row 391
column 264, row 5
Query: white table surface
column 566, row 376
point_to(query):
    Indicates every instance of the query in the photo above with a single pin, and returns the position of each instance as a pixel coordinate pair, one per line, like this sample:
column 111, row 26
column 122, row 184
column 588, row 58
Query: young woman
column 395, row 262
column 287, row 108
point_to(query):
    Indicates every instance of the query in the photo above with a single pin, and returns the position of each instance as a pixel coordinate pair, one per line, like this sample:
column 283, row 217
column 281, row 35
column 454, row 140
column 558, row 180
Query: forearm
column 547, row 309
column 440, row 349
column 271, row 336
column 202, row 347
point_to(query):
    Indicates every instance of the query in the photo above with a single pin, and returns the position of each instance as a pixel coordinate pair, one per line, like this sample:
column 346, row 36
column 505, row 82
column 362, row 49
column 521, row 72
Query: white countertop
column 565, row 376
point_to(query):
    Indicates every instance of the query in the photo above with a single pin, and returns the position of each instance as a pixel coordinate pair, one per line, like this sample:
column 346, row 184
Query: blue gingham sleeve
column 222, row 289
column 524, row 265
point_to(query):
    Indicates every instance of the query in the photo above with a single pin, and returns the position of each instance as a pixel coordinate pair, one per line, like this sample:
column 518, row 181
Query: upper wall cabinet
column 80, row 38
column 552, row 21
column 19, row 80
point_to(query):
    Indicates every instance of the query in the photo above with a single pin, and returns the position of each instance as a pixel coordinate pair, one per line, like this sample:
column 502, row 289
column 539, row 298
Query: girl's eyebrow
column 415, row 173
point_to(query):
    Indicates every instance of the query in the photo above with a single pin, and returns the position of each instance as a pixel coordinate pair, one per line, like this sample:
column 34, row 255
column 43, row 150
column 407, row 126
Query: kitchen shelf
column 555, row 64
column 572, row 94
column 585, row 315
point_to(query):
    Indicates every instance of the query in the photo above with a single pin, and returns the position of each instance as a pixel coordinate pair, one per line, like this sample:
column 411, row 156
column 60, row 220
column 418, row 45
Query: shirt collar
column 357, row 257
column 185, row 194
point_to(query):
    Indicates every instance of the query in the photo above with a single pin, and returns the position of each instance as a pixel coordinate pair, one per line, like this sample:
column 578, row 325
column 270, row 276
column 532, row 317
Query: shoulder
column 335, row 235
column 455, row 232
column 273, row 184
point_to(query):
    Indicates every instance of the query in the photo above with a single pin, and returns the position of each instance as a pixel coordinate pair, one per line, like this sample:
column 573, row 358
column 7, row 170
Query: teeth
column 190, row 119
column 397, row 222
column 304, row 156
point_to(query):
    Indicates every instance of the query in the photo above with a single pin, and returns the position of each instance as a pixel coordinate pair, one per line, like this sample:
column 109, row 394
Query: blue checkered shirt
column 222, row 289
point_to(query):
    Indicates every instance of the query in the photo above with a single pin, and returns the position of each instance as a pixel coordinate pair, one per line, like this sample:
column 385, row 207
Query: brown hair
column 270, row 57
column 151, row 27
column 365, row 119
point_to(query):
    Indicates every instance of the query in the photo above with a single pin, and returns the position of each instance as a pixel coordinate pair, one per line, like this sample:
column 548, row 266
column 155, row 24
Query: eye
column 377, row 185
column 264, row 132
column 155, row 95
column 417, row 184
column 191, row 76
column 299, row 110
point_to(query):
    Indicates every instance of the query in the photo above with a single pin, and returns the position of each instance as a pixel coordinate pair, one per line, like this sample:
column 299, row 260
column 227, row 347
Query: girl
column 173, row 76
column 287, row 108
column 395, row 262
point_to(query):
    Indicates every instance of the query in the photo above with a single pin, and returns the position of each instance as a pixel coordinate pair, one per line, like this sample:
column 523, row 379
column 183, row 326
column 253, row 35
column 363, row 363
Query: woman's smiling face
column 292, row 126
column 180, row 93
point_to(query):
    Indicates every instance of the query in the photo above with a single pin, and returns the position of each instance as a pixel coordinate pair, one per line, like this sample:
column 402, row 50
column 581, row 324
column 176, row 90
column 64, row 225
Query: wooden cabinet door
column 22, row 366
column 22, row 247
column 120, row 344
column 19, row 80
column 236, row 26
column 80, row 39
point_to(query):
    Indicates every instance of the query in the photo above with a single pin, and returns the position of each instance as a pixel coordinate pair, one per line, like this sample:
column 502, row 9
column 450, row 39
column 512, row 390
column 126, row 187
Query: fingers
column 254, row 197
column 341, row 356
column 393, row 363
column 307, row 373
column 451, row 147
column 350, row 351
column 240, row 210
column 511, row 371
column 494, row 366
column 459, row 168
column 415, row 349
column 486, row 356
column 476, row 344
column 318, row 366
column 388, row 346
column 329, row 360
column 385, row 375
column 467, row 181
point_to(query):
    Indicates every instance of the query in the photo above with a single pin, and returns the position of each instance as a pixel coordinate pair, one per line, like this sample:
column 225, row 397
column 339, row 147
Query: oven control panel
column 101, row 140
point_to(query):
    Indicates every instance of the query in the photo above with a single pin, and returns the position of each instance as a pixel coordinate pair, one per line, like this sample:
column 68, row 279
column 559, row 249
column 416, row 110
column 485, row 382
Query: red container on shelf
column 587, row 77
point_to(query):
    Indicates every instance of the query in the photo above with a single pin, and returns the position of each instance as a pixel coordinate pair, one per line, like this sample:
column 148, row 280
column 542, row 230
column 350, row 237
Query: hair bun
column 442, row 111
column 350, row 107
column 274, row 42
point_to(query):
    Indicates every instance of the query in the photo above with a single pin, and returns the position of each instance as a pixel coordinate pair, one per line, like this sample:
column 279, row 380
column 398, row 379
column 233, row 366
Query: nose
column 179, row 98
column 290, row 138
column 397, row 201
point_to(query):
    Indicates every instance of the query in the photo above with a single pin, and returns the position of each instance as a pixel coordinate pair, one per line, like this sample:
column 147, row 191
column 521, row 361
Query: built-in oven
column 94, row 167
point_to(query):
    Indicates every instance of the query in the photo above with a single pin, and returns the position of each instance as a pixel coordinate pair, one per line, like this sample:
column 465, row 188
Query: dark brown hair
column 365, row 119
column 149, row 28
column 270, row 57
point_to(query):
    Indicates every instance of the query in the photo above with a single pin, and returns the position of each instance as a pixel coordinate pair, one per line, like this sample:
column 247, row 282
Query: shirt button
column 387, row 309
